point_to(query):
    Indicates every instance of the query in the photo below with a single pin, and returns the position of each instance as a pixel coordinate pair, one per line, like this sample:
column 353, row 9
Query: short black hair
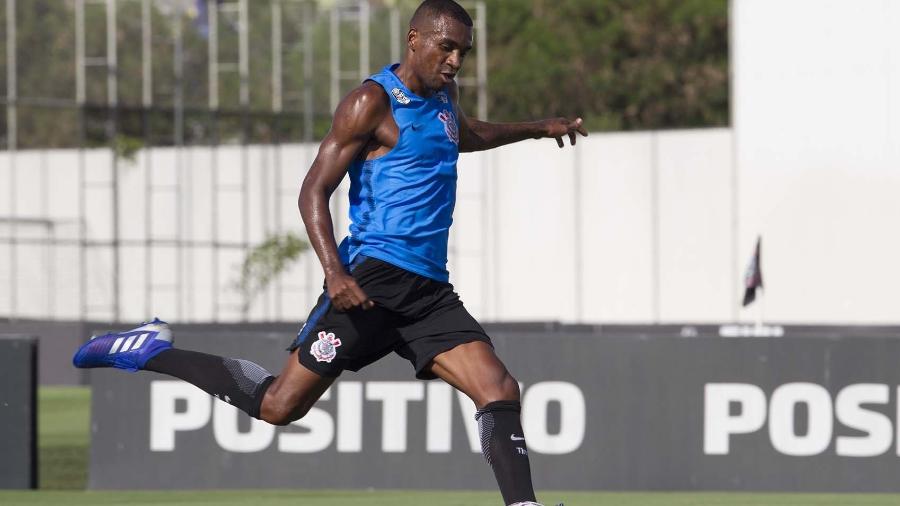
column 430, row 9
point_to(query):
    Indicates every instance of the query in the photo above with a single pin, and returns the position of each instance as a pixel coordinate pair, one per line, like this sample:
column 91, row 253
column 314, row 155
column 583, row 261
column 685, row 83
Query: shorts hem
column 311, row 367
column 422, row 374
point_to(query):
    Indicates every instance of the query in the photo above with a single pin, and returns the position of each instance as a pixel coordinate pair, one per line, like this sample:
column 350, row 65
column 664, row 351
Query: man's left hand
column 560, row 127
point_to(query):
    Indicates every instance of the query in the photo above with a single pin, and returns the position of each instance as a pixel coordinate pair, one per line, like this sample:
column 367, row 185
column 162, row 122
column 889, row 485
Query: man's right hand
column 345, row 294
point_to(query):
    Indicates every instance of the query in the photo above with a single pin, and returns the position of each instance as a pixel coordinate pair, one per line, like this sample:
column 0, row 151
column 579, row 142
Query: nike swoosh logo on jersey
column 512, row 437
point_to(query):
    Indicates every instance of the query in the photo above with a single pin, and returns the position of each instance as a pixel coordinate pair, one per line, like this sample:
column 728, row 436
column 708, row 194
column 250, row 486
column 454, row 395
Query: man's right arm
column 355, row 121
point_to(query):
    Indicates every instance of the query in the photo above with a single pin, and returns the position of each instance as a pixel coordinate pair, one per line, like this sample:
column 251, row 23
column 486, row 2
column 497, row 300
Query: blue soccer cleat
column 128, row 350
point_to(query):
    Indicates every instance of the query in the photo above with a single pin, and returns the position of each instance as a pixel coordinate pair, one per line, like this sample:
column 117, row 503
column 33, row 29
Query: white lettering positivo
column 165, row 421
column 718, row 422
column 877, row 426
column 782, row 411
column 350, row 417
column 318, row 434
column 339, row 424
column 394, row 397
column 572, row 412
column 439, row 429
column 229, row 437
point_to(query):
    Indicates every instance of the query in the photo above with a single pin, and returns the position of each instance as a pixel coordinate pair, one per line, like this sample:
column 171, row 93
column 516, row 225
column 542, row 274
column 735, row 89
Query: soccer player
column 398, row 135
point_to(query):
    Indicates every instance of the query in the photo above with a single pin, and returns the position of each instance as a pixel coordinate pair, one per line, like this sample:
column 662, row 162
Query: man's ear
column 411, row 39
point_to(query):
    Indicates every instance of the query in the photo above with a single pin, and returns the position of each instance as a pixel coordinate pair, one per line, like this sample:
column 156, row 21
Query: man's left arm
column 476, row 135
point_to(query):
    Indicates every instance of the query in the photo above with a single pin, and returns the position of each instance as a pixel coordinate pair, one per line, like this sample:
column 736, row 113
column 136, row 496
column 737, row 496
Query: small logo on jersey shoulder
column 450, row 126
column 442, row 97
column 400, row 96
column 325, row 349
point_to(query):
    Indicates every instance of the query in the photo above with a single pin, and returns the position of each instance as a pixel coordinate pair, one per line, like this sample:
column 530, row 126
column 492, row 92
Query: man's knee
column 506, row 389
column 281, row 414
column 277, row 411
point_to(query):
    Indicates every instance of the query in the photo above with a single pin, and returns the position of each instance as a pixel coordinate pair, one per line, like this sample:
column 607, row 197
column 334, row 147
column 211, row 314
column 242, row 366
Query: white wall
column 624, row 228
column 817, row 137
column 637, row 227
column 615, row 230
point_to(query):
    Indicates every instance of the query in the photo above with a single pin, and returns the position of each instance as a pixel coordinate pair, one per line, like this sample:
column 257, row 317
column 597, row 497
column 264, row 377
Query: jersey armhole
column 396, row 123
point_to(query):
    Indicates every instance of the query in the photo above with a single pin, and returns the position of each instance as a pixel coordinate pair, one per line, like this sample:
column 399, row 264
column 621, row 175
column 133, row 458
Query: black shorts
column 414, row 316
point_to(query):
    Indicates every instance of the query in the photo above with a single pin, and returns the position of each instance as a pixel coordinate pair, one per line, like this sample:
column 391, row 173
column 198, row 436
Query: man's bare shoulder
column 365, row 106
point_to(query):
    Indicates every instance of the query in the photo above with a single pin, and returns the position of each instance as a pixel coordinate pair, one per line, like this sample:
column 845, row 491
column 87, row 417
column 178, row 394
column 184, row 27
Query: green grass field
column 64, row 435
column 393, row 498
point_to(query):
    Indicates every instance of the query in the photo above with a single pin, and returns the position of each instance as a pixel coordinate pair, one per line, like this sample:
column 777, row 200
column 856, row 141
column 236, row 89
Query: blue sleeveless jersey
column 401, row 204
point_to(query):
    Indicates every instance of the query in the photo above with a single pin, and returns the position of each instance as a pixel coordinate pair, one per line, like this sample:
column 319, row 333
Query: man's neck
column 412, row 82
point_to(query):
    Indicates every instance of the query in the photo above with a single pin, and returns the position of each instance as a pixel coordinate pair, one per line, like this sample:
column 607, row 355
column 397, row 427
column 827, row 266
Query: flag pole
column 761, row 315
column 760, row 309
column 753, row 282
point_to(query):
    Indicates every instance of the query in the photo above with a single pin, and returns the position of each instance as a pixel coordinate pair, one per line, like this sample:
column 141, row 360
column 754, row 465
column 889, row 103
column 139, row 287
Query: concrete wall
column 618, row 225
column 640, row 227
column 817, row 141
column 636, row 227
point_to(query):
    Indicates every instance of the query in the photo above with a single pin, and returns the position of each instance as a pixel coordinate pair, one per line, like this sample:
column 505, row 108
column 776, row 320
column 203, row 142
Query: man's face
column 440, row 50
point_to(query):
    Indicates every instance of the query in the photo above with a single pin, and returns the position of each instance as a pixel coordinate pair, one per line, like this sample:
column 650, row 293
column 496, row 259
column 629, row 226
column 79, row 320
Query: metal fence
column 142, row 74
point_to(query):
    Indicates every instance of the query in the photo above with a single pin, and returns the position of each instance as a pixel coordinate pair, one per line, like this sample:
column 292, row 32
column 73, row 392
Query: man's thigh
column 438, row 332
column 332, row 340
column 474, row 369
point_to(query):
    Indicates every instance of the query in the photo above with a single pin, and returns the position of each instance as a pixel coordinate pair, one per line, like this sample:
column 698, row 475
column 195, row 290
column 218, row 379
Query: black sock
column 503, row 445
column 240, row 383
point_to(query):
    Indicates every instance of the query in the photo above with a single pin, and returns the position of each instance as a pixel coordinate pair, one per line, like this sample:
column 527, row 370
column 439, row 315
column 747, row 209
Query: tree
column 265, row 262
column 624, row 65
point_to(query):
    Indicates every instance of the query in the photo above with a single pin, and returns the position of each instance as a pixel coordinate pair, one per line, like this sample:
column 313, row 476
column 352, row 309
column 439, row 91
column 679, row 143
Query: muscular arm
column 476, row 135
column 355, row 121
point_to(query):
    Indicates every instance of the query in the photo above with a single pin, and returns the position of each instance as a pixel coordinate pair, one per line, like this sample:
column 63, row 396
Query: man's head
column 440, row 36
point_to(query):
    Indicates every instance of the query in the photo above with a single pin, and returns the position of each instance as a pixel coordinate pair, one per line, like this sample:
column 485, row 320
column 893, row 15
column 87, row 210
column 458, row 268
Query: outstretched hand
column 560, row 127
column 345, row 294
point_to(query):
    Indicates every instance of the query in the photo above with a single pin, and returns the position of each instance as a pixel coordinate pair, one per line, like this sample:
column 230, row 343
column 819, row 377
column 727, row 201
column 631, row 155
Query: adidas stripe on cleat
column 129, row 350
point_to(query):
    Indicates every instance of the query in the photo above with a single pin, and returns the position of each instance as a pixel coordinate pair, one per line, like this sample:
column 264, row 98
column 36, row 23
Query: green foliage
column 265, row 262
column 622, row 65
column 127, row 147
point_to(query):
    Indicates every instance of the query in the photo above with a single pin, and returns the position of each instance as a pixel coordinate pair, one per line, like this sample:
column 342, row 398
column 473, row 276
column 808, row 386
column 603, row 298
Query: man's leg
column 246, row 385
column 475, row 370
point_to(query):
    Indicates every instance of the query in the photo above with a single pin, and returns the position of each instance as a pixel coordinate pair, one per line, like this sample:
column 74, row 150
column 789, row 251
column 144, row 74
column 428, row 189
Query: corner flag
column 753, row 277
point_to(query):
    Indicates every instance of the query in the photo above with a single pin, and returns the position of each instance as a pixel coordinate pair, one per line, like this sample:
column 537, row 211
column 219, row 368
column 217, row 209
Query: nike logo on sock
column 512, row 437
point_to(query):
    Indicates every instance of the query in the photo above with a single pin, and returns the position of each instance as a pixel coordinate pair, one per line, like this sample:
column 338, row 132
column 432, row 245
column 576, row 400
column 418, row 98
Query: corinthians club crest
column 325, row 349
column 450, row 126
